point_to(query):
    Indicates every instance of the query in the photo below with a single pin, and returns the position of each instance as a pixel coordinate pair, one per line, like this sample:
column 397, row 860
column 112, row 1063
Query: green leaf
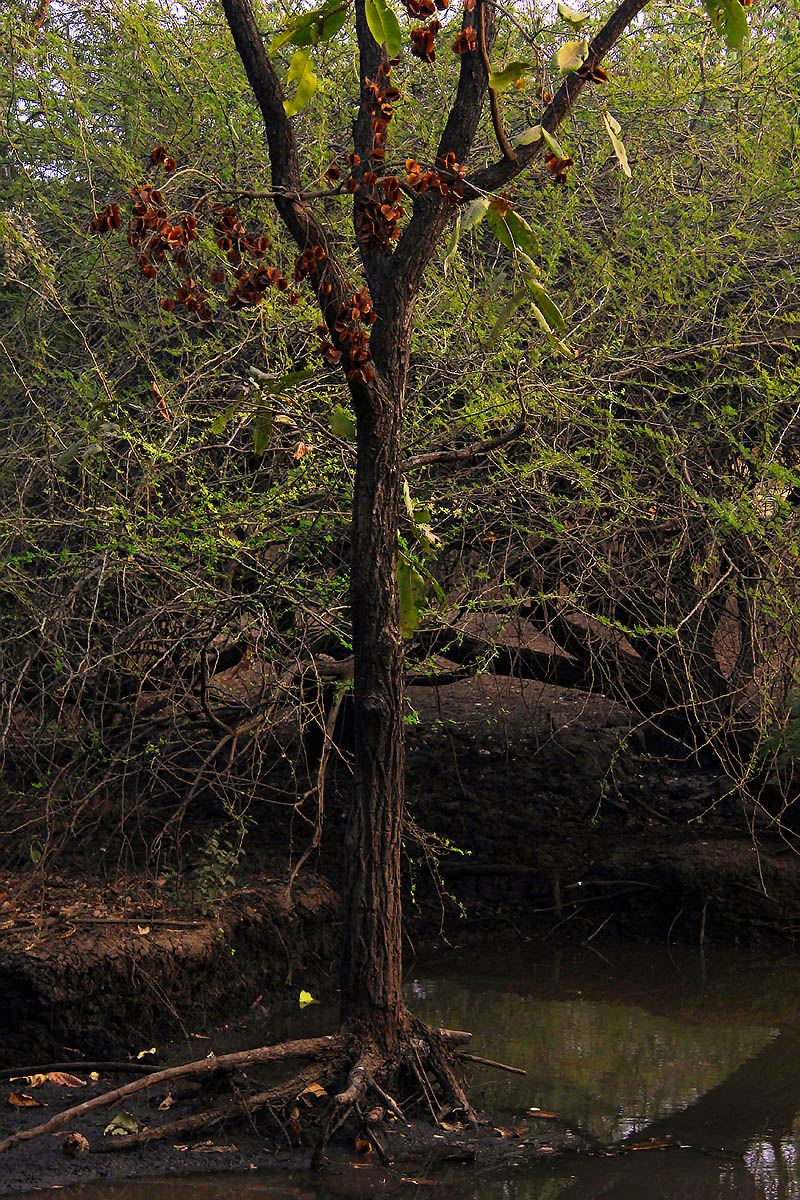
column 501, row 81
column 534, row 134
column 553, row 145
column 614, row 129
column 551, row 337
column 319, row 25
column 452, row 244
column 300, row 69
column 571, row 56
column 527, row 136
column 276, row 385
column 384, row 26
column 263, row 423
column 573, row 18
column 545, row 303
column 474, row 213
column 221, row 422
column 342, row 424
column 730, row 19
column 514, row 232
column 420, row 519
column 518, row 298
column 411, row 596
column 121, row 1124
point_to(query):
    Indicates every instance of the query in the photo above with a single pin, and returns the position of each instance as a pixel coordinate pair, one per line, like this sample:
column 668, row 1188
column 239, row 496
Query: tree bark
column 372, row 933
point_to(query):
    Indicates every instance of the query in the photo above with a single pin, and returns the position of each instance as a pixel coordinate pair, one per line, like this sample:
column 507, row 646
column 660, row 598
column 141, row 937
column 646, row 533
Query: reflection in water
column 630, row 1044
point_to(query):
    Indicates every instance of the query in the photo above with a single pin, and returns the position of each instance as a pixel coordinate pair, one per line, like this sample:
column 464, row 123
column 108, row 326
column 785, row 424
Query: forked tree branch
column 489, row 179
column 418, row 242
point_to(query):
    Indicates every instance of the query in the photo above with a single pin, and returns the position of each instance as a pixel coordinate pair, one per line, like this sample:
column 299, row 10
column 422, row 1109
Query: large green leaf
column 614, row 129
column 554, row 341
column 309, row 28
column 474, row 213
column 526, row 137
column 411, row 596
column 730, row 19
column 553, row 145
column 545, row 303
column 301, row 70
column 535, row 133
column 501, row 81
column 514, row 232
column 571, row 56
column 342, row 423
column 571, row 16
column 384, row 26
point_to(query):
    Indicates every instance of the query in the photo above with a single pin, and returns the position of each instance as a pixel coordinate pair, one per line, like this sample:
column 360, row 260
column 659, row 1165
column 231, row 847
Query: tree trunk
column 372, row 933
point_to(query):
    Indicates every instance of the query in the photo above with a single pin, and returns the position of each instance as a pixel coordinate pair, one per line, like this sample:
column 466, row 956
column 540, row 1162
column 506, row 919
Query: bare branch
column 468, row 452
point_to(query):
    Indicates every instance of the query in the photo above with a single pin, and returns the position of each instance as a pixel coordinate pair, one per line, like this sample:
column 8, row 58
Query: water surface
column 622, row 1042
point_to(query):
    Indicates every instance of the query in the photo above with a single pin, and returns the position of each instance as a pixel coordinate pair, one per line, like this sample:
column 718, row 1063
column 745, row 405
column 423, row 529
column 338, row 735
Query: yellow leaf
column 314, row 1091
column 64, row 1080
column 306, row 998
column 21, row 1100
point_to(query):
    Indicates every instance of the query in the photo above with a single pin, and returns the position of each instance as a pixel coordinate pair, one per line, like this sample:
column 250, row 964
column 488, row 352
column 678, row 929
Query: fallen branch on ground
column 319, row 1047
column 330, row 1054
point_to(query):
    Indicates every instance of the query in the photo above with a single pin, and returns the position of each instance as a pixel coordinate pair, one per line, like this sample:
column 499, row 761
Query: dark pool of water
column 619, row 1041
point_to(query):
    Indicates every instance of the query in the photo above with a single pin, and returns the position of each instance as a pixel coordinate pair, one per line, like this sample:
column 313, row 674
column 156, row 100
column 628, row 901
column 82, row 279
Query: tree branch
column 299, row 219
column 494, row 103
column 418, row 242
column 371, row 57
column 468, row 452
column 489, row 179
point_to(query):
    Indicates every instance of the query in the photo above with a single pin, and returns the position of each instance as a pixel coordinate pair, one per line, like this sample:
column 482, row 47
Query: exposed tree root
column 422, row 1058
column 316, row 1048
column 237, row 1107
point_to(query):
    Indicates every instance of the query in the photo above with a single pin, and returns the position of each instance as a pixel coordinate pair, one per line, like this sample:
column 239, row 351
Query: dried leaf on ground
column 22, row 1100
column 75, row 1144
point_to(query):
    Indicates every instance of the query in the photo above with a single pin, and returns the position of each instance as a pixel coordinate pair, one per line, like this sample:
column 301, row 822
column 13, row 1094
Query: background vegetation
column 174, row 498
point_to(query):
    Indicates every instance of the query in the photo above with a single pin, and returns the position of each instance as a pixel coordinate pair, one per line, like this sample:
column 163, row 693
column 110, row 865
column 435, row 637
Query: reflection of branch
column 494, row 103
column 468, row 452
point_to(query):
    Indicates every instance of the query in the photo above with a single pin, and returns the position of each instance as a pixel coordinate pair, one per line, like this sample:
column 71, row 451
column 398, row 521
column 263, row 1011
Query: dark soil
column 535, row 812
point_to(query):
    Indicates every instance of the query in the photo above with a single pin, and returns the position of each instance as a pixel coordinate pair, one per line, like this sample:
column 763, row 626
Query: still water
column 619, row 1041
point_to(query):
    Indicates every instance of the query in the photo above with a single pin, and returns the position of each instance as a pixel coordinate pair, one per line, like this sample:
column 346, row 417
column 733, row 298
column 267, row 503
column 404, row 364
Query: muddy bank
column 534, row 813
column 100, row 972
